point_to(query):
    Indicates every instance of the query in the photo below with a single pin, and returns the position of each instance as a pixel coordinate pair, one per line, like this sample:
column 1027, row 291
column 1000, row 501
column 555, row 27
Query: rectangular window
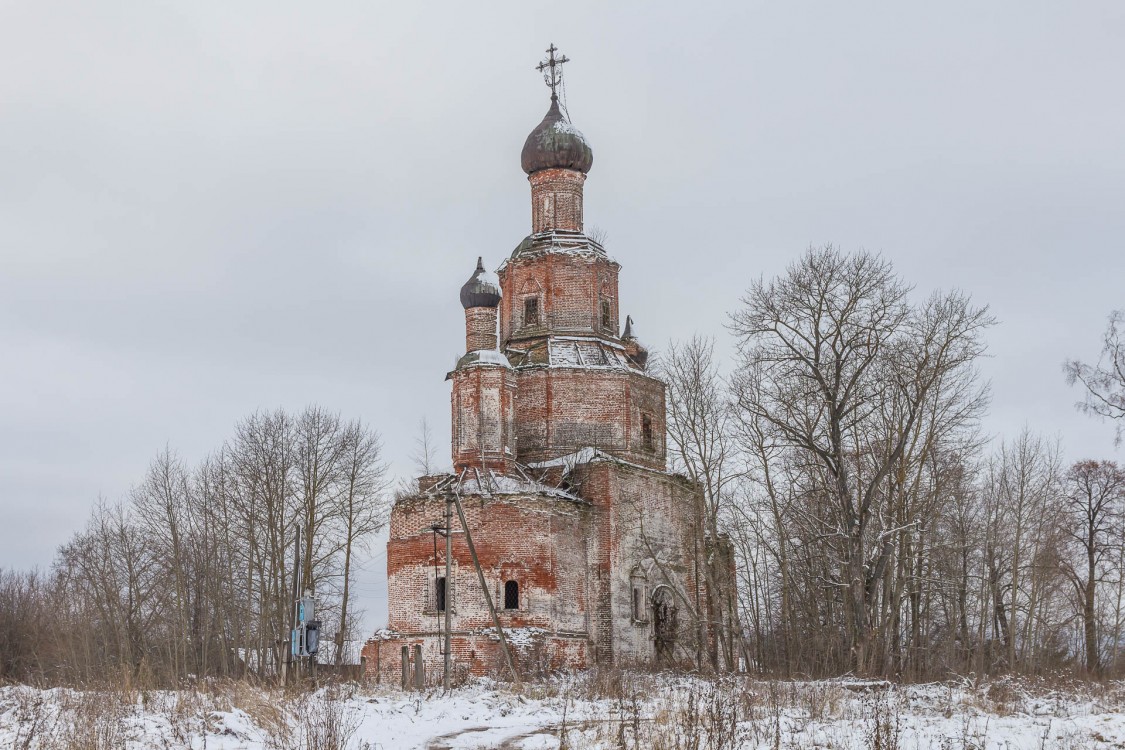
column 531, row 311
column 439, row 594
column 646, row 433
column 511, row 595
column 607, row 315
column 638, row 603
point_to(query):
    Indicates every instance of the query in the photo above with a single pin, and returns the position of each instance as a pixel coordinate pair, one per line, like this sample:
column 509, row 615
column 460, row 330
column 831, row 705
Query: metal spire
column 551, row 68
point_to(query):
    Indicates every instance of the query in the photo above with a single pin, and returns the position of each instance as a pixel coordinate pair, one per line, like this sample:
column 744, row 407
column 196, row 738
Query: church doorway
column 664, row 624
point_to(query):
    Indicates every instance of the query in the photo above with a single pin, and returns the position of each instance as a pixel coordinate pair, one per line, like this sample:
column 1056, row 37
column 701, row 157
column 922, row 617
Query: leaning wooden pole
column 447, row 646
column 484, row 588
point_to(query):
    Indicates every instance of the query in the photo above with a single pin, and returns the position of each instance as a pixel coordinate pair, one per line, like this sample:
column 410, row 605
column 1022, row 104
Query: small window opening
column 607, row 315
column 531, row 311
column 511, row 595
column 638, row 604
column 439, row 594
column 646, row 433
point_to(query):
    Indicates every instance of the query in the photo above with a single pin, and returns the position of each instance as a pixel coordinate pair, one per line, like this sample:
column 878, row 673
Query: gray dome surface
column 555, row 143
column 482, row 289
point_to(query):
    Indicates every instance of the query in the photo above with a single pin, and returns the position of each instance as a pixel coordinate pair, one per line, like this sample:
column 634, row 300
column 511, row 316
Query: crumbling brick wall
column 556, row 199
column 483, row 417
column 560, row 410
column 570, row 288
column 537, row 541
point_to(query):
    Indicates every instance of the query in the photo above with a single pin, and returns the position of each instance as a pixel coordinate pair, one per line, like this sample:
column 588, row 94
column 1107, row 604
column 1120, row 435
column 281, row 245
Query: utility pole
column 484, row 588
column 294, row 643
column 448, row 665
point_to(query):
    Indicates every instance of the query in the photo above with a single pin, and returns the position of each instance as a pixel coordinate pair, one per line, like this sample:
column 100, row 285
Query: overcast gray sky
column 212, row 208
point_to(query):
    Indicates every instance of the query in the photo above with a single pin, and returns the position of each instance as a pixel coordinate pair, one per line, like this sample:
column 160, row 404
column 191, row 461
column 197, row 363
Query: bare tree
column 161, row 504
column 265, row 496
column 319, row 451
column 1022, row 534
column 699, row 431
column 835, row 341
column 958, row 558
column 425, row 453
column 363, row 508
column 1104, row 382
column 1095, row 494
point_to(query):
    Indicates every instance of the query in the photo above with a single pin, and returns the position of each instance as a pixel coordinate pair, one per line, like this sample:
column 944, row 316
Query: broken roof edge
column 629, row 370
column 590, row 455
column 489, row 483
column 384, row 634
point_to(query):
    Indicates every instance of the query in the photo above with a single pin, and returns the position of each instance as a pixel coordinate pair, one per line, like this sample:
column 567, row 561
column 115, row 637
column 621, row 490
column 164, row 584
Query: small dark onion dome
column 482, row 290
column 636, row 351
column 555, row 143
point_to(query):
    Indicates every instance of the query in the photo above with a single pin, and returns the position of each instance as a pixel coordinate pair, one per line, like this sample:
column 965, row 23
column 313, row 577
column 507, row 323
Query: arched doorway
column 664, row 624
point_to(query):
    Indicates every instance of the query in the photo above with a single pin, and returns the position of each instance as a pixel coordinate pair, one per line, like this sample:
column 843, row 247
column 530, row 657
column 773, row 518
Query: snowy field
column 618, row 711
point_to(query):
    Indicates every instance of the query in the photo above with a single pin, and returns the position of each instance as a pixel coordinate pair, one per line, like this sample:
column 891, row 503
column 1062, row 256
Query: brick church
column 589, row 548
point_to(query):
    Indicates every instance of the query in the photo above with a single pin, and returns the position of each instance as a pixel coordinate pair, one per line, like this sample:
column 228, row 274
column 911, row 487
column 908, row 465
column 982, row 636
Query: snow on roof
column 580, row 456
column 484, row 357
column 603, row 342
column 384, row 634
column 588, row 353
column 488, row 482
column 558, row 241
column 588, row 455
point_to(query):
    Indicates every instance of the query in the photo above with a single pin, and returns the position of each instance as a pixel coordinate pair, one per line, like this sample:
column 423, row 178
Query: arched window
column 639, row 601
column 665, row 624
column 511, row 595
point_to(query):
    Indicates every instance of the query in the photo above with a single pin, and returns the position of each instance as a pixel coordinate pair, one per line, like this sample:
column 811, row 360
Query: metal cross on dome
column 551, row 68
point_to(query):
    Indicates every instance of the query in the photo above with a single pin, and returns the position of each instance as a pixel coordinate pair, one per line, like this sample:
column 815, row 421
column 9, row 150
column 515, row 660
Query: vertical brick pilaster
column 483, row 404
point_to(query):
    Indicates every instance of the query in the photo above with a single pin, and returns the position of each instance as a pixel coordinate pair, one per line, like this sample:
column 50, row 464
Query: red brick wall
column 570, row 289
column 556, row 199
column 576, row 562
column 479, row 654
column 559, row 410
column 480, row 328
column 482, row 404
column 537, row 542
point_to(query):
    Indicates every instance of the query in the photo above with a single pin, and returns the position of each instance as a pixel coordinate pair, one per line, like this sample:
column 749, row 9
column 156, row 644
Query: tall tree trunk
column 1089, row 616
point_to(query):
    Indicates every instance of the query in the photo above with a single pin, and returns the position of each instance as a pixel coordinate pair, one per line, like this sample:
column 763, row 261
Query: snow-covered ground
column 618, row 711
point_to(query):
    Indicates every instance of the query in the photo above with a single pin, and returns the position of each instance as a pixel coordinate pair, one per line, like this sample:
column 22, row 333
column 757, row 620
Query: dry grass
column 106, row 719
column 90, row 720
column 672, row 712
column 33, row 717
column 616, row 709
column 323, row 721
